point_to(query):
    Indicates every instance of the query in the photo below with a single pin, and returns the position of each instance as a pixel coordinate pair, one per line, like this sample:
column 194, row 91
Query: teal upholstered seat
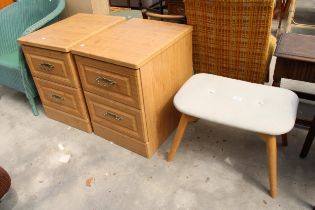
column 16, row 20
column 10, row 59
column 128, row 14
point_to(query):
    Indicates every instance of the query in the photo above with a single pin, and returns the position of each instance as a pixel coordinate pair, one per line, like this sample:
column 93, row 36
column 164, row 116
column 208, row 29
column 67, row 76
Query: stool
column 266, row 110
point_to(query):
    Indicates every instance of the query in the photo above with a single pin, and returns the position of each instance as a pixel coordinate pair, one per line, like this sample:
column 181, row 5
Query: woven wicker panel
column 231, row 37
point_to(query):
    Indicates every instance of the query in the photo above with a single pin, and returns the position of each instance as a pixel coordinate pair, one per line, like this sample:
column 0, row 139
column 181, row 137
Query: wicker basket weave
column 232, row 38
column 5, row 182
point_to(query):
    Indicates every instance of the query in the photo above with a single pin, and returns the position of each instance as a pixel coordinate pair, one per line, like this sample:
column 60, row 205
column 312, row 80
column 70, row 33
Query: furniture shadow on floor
column 243, row 154
column 17, row 99
column 9, row 201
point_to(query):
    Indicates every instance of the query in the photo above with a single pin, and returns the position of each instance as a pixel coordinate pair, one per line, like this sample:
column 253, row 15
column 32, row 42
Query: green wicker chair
column 16, row 20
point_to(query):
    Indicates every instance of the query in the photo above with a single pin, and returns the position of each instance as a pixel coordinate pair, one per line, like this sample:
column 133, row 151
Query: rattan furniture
column 5, row 182
column 266, row 110
column 232, row 38
column 16, row 20
column 157, row 11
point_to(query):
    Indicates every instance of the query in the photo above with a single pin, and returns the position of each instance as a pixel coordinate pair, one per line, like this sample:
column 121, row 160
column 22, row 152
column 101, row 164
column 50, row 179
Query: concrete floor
column 216, row 167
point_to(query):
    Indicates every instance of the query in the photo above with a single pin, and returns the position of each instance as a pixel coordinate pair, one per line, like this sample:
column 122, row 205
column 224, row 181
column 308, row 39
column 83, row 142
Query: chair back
column 21, row 15
column 231, row 37
column 157, row 10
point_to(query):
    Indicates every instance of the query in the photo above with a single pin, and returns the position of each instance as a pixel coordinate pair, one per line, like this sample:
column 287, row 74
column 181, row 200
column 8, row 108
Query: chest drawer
column 110, row 81
column 51, row 65
column 119, row 117
column 62, row 98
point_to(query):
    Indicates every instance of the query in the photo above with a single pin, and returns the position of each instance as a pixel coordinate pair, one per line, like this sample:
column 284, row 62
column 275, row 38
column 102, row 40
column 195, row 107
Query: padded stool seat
column 266, row 110
column 240, row 104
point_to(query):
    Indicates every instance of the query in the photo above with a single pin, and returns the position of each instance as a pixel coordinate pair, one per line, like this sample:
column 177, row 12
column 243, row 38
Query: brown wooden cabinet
column 47, row 52
column 130, row 74
column 116, row 76
column 4, row 3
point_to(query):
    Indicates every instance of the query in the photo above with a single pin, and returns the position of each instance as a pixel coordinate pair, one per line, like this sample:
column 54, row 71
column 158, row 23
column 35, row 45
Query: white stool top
column 254, row 107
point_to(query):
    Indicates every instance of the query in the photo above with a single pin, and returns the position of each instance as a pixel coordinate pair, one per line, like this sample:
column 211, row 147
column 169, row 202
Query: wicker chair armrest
column 50, row 17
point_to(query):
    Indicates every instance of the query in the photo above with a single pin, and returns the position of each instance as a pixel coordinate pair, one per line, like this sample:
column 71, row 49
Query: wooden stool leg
column 271, row 143
column 309, row 140
column 284, row 138
column 184, row 120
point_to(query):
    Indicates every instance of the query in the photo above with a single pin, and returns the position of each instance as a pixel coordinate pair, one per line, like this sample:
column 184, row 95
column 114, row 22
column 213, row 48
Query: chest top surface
column 132, row 43
column 296, row 46
column 64, row 34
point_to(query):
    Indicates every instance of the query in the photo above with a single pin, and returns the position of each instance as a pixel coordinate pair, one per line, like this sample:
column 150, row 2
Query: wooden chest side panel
column 161, row 78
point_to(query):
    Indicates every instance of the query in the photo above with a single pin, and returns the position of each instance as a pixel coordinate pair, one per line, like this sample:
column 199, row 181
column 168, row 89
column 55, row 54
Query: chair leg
column 271, row 143
column 284, row 138
column 33, row 105
column 309, row 140
column 184, row 120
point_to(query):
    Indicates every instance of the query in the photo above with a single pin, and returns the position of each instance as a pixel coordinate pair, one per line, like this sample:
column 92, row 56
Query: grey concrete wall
column 86, row 6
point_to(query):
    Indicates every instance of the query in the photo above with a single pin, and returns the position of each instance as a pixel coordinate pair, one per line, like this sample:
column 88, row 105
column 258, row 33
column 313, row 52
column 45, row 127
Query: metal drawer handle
column 113, row 115
column 46, row 66
column 57, row 98
column 104, row 81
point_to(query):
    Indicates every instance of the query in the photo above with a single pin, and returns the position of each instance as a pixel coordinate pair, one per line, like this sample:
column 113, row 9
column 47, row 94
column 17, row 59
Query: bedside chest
column 130, row 74
column 47, row 52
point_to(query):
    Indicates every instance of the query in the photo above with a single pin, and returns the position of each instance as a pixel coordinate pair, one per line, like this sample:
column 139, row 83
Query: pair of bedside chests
column 113, row 77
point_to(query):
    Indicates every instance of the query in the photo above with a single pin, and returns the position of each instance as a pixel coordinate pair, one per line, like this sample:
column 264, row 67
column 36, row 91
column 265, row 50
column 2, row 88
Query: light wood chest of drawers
column 47, row 52
column 130, row 74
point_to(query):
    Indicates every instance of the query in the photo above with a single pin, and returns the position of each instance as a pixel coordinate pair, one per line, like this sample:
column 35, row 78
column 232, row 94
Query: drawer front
column 69, row 119
column 51, row 65
column 111, row 81
column 120, row 139
column 62, row 98
column 119, row 117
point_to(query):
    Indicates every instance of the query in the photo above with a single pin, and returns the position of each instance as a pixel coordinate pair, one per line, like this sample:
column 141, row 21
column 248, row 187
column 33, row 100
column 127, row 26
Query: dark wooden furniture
column 295, row 60
column 175, row 7
column 166, row 10
column 282, row 8
column 128, row 3
column 309, row 140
